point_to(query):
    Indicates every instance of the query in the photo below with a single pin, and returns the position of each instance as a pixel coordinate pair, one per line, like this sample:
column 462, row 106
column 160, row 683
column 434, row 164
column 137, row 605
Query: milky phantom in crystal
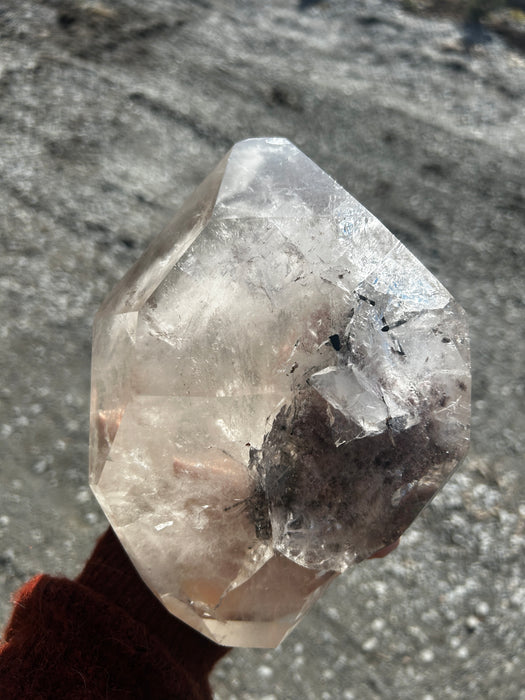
column 279, row 386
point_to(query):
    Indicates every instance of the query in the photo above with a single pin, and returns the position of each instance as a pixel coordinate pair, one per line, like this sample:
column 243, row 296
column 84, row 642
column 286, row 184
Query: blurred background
column 110, row 114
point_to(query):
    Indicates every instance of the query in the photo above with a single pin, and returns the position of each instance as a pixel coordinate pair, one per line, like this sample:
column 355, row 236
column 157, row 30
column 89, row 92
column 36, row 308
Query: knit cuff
column 110, row 573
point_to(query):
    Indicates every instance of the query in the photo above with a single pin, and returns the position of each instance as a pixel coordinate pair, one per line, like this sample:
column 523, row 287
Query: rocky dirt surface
column 110, row 114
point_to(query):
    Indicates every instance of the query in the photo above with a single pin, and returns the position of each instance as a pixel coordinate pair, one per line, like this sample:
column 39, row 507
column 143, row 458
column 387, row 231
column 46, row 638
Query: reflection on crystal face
column 278, row 389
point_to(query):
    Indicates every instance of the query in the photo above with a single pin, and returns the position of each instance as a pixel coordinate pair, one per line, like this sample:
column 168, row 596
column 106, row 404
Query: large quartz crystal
column 279, row 387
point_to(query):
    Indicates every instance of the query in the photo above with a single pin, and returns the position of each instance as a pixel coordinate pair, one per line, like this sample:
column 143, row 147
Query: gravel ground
column 109, row 116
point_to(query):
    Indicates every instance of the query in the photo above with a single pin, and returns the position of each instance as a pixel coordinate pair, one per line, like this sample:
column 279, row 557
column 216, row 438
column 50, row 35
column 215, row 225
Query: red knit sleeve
column 104, row 635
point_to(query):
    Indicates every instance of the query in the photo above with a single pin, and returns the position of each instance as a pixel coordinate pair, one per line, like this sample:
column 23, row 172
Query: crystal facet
column 279, row 386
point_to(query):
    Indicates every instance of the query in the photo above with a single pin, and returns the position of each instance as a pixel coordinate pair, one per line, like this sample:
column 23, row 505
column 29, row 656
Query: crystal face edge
column 294, row 388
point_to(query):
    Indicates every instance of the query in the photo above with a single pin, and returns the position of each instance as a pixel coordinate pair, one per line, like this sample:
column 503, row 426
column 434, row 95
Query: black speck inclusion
column 336, row 342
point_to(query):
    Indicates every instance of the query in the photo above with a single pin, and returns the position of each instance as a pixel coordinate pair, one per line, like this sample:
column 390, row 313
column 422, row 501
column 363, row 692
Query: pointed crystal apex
column 271, row 178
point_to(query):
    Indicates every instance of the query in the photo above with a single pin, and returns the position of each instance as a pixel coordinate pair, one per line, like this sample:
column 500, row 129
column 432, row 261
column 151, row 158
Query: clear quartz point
column 279, row 387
